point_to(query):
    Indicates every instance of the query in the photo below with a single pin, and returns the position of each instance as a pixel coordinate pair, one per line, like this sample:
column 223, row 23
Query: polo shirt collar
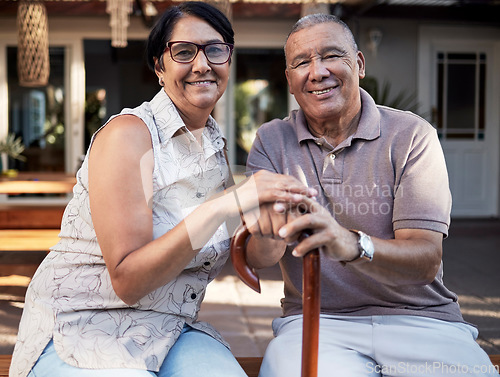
column 169, row 123
column 368, row 127
column 303, row 132
column 369, row 122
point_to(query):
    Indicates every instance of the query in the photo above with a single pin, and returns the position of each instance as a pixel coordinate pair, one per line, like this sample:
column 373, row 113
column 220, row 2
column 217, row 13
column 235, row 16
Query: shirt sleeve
column 258, row 158
column 422, row 196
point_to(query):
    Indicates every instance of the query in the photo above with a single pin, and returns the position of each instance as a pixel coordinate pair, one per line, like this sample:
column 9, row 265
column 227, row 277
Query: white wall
column 396, row 58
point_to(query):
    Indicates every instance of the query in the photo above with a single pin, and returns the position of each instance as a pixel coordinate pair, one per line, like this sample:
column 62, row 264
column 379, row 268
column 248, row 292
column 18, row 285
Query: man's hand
column 326, row 234
column 412, row 257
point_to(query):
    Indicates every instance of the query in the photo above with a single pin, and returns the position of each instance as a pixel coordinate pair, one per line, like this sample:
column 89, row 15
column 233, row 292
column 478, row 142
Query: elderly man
column 382, row 210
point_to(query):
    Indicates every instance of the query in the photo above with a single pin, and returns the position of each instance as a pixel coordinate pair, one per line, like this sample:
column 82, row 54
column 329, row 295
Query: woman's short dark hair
column 162, row 30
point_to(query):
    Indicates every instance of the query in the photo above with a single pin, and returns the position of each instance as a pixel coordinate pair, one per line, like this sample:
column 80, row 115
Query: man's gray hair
column 321, row 18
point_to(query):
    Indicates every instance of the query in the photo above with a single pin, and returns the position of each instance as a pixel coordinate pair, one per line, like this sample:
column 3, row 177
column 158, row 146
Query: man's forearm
column 405, row 260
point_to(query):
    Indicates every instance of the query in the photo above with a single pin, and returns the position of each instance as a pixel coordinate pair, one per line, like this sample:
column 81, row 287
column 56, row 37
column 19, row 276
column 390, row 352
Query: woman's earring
column 160, row 81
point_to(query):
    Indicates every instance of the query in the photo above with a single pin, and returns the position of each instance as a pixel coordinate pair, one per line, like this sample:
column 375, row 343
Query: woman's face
column 197, row 85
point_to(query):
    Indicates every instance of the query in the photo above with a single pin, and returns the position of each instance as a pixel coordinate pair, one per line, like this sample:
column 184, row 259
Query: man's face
column 323, row 72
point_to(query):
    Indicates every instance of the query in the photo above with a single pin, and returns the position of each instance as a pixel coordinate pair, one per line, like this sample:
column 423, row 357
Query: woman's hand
column 264, row 201
column 266, row 246
column 265, row 187
column 269, row 218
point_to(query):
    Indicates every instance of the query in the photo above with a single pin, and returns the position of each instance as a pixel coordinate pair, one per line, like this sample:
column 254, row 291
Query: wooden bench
column 251, row 365
column 39, row 216
column 37, row 183
column 22, row 250
column 20, row 216
column 26, row 234
column 26, row 246
column 27, row 231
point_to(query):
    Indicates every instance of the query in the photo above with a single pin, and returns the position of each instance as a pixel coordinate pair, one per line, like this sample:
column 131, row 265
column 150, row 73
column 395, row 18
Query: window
column 37, row 115
column 461, row 88
column 115, row 78
column 261, row 94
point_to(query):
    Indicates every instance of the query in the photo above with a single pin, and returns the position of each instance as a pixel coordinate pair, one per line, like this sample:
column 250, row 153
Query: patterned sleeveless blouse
column 70, row 298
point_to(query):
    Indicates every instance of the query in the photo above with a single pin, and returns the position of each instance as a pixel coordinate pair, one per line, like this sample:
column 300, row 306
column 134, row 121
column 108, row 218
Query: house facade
column 439, row 58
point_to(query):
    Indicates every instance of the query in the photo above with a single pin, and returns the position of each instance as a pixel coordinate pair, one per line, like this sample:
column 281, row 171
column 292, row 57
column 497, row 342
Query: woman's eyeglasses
column 186, row 52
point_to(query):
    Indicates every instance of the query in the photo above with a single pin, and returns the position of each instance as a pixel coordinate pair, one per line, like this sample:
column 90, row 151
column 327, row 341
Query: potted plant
column 10, row 147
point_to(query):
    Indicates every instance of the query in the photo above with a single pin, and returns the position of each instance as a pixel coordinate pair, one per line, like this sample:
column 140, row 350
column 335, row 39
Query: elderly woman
column 145, row 231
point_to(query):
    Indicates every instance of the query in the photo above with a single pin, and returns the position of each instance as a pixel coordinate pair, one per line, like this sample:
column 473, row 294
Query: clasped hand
column 286, row 221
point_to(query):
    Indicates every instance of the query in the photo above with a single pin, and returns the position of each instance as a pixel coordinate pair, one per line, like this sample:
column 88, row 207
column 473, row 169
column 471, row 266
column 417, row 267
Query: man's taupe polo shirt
column 390, row 174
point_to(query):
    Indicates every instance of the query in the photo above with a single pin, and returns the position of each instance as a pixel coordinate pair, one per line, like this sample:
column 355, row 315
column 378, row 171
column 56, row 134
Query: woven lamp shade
column 33, row 66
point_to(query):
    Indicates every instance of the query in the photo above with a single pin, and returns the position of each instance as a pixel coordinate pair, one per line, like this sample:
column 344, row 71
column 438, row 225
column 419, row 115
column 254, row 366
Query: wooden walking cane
column 310, row 294
column 311, row 302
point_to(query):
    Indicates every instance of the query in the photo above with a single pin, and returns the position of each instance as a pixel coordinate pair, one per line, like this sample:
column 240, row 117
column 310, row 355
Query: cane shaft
column 311, row 296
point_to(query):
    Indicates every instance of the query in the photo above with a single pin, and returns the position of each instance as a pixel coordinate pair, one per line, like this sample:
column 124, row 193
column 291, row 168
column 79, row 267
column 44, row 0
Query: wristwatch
column 365, row 247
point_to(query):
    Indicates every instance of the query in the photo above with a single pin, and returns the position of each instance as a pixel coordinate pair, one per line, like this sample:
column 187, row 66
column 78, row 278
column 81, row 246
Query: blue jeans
column 195, row 354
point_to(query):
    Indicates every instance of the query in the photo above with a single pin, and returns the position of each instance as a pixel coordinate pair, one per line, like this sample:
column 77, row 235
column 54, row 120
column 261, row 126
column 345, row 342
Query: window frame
column 74, row 103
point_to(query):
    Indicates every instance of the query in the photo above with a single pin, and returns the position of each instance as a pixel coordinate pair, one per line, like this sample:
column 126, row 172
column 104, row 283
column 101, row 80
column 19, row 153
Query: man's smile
column 322, row 91
column 204, row 82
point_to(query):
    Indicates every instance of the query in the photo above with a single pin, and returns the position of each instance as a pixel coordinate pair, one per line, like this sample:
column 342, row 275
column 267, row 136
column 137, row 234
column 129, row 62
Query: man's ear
column 288, row 80
column 360, row 61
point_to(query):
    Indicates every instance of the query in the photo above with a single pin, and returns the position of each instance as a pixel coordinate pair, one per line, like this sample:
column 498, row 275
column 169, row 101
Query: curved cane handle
column 239, row 258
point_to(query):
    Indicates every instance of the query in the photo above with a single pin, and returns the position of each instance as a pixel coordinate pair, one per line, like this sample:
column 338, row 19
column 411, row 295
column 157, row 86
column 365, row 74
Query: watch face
column 367, row 245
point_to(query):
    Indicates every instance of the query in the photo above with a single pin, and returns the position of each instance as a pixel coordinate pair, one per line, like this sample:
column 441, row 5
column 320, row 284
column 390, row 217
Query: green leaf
column 13, row 147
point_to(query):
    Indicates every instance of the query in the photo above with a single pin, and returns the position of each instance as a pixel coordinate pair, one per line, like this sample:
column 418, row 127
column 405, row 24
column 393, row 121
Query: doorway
column 458, row 82
column 260, row 94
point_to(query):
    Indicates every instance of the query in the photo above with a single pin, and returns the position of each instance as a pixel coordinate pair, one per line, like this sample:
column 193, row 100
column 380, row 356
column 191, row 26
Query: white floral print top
column 70, row 298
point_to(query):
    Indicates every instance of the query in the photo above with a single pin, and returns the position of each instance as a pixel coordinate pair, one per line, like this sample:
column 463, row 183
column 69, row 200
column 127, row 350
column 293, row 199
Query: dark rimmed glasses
column 186, row 52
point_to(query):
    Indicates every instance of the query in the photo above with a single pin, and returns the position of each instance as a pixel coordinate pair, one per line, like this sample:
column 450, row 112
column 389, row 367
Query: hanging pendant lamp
column 119, row 11
column 224, row 6
column 33, row 66
column 314, row 6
